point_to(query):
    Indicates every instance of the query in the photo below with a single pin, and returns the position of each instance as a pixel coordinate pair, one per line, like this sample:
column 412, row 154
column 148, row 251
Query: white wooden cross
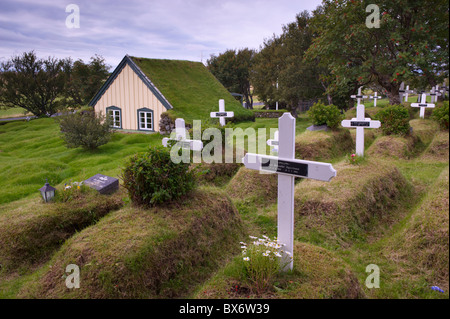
column 435, row 93
column 375, row 97
column 423, row 105
column 360, row 123
column 274, row 142
column 287, row 168
column 407, row 91
column 444, row 90
column 401, row 91
column 359, row 96
column 222, row 114
column 180, row 136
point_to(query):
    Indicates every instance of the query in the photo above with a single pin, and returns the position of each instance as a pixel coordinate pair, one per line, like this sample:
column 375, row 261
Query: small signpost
column 375, row 97
column 180, row 131
column 274, row 143
column 360, row 123
column 423, row 105
column 287, row 168
column 222, row 114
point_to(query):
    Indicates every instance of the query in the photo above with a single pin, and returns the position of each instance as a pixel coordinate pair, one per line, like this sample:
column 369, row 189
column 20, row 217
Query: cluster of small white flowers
column 77, row 184
column 267, row 242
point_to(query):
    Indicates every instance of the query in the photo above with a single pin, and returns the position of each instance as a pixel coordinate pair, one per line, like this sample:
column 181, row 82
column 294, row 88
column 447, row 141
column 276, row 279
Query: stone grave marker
column 103, row 184
column 360, row 123
column 287, row 168
column 222, row 114
column 423, row 105
column 180, row 131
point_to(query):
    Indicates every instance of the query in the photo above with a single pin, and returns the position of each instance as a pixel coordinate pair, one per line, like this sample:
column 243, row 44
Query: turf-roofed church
column 140, row 90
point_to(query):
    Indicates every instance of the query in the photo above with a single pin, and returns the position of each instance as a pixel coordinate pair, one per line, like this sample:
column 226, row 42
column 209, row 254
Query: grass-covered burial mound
column 359, row 197
column 160, row 252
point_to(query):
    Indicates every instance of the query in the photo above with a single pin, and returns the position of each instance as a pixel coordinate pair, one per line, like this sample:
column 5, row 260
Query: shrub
column 85, row 129
column 153, row 178
column 440, row 115
column 394, row 120
column 321, row 114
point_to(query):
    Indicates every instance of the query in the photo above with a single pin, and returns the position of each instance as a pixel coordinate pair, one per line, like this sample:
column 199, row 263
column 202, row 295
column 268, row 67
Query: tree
column 411, row 42
column 33, row 84
column 83, row 80
column 232, row 69
column 281, row 61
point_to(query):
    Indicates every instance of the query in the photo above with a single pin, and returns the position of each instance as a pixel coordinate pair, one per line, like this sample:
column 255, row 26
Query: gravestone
column 274, row 142
column 407, row 92
column 360, row 123
column 375, row 97
column 287, row 168
column 180, row 137
column 423, row 105
column 221, row 114
column 103, row 184
column 359, row 96
column 435, row 94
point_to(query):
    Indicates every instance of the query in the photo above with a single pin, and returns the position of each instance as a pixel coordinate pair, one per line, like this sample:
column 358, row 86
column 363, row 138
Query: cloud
column 173, row 29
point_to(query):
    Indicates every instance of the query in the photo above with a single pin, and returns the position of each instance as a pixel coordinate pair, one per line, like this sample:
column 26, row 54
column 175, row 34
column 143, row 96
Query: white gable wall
column 129, row 93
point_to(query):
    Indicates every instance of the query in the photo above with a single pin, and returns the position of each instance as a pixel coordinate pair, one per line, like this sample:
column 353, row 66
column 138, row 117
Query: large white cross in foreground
column 180, row 136
column 287, row 168
column 423, row 105
column 360, row 123
column 221, row 114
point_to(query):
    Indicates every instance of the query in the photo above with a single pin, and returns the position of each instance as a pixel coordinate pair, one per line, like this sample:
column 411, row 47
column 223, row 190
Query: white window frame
column 147, row 120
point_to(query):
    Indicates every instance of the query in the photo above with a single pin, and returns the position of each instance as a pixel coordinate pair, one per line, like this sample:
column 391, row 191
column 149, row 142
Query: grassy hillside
column 31, row 152
column 391, row 210
column 191, row 89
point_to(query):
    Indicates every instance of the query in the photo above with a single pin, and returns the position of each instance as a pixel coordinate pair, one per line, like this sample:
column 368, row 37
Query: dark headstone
column 103, row 184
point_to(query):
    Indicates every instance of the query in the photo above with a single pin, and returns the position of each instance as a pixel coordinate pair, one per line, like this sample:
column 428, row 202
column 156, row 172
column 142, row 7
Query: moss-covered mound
column 318, row 274
column 342, row 210
column 135, row 253
column 438, row 149
column 321, row 145
column 253, row 185
column 31, row 231
column 423, row 244
column 392, row 146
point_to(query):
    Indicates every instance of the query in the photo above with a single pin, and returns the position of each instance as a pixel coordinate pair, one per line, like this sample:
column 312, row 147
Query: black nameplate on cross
column 357, row 123
column 280, row 166
column 220, row 114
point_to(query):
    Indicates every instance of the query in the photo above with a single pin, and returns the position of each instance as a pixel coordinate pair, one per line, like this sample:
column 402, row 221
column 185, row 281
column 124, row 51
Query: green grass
column 191, row 89
column 31, row 152
column 13, row 112
column 392, row 212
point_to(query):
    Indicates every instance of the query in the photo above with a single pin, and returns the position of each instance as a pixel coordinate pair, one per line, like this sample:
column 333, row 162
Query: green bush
column 85, row 129
column 440, row 115
column 153, row 178
column 321, row 114
column 394, row 120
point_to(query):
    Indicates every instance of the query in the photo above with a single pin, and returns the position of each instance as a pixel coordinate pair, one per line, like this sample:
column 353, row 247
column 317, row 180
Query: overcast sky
column 165, row 29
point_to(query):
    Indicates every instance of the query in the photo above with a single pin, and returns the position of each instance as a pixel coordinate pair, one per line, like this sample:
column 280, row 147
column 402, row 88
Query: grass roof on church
column 191, row 89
